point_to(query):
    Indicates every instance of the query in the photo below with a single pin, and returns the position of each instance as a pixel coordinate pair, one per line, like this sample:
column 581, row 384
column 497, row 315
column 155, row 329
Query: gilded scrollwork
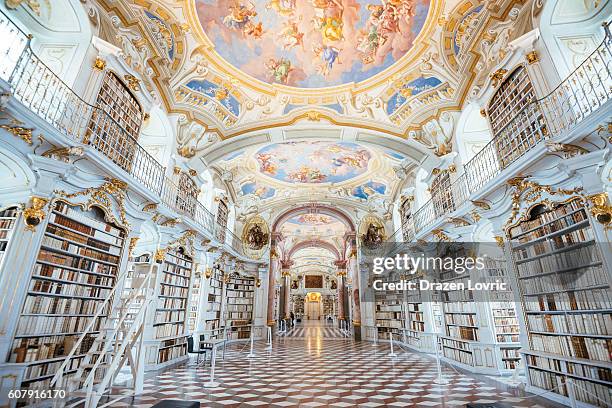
column 101, row 197
column 528, row 192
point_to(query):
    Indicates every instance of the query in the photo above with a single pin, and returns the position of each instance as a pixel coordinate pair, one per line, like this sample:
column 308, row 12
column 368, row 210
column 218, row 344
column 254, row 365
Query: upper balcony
column 39, row 90
column 579, row 100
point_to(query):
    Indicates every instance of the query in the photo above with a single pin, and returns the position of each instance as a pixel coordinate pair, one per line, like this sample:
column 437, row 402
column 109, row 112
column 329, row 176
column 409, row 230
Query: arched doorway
column 329, row 235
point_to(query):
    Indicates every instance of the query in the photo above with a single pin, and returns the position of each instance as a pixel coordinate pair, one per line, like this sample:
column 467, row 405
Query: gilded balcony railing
column 39, row 89
column 584, row 91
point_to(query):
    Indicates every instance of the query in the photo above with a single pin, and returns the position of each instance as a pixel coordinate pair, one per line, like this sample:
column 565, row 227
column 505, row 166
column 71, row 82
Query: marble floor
column 319, row 368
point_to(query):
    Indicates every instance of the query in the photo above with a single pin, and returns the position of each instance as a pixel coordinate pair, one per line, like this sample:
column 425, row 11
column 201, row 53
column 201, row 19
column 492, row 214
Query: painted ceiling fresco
column 368, row 189
column 260, row 190
column 313, row 161
column 312, row 43
column 311, row 219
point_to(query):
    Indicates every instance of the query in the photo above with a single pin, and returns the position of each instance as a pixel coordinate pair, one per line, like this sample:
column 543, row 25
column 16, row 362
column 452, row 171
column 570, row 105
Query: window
column 517, row 122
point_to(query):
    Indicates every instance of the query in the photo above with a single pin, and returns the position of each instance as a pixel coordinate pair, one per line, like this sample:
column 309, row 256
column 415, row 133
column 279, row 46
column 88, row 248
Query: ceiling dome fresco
column 312, row 43
column 313, row 161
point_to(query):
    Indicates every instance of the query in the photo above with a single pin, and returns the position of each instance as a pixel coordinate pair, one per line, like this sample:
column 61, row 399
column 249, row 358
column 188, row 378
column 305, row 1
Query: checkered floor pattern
column 327, row 332
column 319, row 372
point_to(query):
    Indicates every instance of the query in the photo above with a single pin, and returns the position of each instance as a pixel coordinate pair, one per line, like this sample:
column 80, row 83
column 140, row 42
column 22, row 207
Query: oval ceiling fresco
column 313, row 161
column 312, row 43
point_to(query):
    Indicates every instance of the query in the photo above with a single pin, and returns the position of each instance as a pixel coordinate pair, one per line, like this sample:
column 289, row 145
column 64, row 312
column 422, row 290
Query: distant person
column 292, row 317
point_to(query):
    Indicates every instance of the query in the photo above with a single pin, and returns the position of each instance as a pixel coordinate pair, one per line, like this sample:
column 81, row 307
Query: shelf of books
column 298, row 305
column 194, row 301
column 8, row 219
column 239, row 294
column 328, row 305
column 213, row 329
column 138, row 268
column 564, row 283
column 389, row 315
column 171, row 312
column 503, row 313
column 76, row 269
column 460, row 328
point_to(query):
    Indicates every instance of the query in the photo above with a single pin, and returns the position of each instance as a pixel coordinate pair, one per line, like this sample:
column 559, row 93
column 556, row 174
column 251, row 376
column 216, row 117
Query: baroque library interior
column 194, row 214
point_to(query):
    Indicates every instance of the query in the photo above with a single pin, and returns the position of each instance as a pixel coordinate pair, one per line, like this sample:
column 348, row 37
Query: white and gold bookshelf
column 213, row 328
column 238, row 312
column 480, row 328
column 76, row 268
column 194, row 301
column 8, row 219
column 564, row 283
column 389, row 314
column 170, row 323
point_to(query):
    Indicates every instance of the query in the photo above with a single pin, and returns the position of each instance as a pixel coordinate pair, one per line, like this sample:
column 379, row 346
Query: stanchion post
column 440, row 379
column 391, row 354
column 251, row 353
column 571, row 392
column 269, row 340
column 212, row 383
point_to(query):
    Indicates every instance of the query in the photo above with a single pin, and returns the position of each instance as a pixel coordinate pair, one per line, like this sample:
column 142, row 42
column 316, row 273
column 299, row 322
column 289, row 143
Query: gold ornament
column 497, row 77
column 24, row 134
column 133, row 242
column 532, row 57
column 601, row 210
column 99, row 64
column 133, row 82
column 160, row 255
column 34, row 214
column 100, row 196
column 500, row 241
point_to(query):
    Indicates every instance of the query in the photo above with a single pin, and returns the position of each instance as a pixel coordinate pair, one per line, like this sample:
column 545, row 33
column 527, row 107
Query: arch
column 17, row 178
column 583, row 20
column 314, row 209
column 61, row 34
column 314, row 243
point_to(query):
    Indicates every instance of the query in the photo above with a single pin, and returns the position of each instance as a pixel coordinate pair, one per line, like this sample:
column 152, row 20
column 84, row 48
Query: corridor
column 315, row 329
column 316, row 371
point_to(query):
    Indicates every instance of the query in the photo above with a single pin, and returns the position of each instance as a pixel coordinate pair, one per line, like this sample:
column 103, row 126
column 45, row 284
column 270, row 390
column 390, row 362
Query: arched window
column 115, row 128
column 517, row 123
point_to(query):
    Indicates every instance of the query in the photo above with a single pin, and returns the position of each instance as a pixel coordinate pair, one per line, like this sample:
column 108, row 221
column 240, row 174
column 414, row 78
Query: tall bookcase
column 238, row 311
column 169, row 327
column 389, row 314
column 460, row 323
column 512, row 98
column 76, row 268
column 118, row 102
column 8, row 219
column 503, row 312
column 564, row 283
column 194, row 301
column 213, row 329
column 328, row 305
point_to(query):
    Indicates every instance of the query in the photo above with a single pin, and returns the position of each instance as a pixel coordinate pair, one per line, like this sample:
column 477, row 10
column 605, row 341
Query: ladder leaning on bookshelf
column 76, row 269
